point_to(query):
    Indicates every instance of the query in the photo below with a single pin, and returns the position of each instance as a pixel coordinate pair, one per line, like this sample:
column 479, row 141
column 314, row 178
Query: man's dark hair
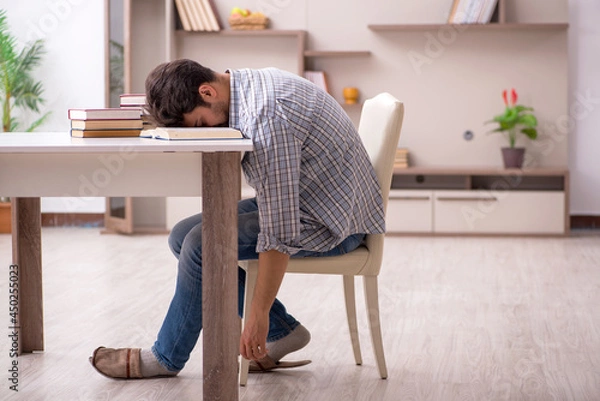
column 172, row 90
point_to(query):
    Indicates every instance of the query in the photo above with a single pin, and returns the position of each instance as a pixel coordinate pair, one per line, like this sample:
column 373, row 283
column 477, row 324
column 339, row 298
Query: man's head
column 184, row 93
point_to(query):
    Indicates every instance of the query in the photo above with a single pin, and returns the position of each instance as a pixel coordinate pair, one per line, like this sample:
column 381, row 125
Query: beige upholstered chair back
column 379, row 128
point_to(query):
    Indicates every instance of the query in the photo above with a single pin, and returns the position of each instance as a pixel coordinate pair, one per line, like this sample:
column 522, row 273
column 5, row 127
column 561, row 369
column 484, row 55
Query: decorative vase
column 350, row 95
column 513, row 157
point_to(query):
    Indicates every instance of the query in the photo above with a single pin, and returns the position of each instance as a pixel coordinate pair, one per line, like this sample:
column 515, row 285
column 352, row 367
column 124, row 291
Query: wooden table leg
column 27, row 255
column 220, row 189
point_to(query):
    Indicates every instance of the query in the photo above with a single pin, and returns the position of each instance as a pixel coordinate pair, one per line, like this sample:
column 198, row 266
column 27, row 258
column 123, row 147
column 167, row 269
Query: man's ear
column 207, row 92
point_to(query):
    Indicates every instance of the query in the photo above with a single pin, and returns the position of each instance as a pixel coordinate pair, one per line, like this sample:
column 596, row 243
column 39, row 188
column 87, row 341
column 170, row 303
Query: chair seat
column 351, row 263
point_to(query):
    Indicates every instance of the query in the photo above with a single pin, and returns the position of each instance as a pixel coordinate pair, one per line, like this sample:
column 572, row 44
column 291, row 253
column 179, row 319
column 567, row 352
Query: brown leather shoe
column 267, row 364
column 117, row 363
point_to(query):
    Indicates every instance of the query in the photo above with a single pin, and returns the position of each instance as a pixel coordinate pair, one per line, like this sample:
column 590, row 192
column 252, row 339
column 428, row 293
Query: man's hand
column 271, row 269
column 253, row 343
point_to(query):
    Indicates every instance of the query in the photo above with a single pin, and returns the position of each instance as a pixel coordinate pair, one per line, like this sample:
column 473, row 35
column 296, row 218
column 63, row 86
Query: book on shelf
column 178, row 133
column 472, row 11
column 401, row 158
column 475, row 9
column 204, row 15
column 105, row 114
column 197, row 15
column 487, row 11
column 211, row 12
column 318, row 78
column 197, row 19
column 457, row 12
column 189, row 11
column 105, row 133
column 183, row 15
column 107, row 124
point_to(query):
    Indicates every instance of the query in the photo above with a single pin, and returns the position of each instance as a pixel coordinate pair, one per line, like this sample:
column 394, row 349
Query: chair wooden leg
column 251, row 275
column 349, row 295
column 372, row 303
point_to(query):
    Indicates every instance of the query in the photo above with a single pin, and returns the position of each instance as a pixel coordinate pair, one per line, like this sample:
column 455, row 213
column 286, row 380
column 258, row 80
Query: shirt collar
column 234, row 99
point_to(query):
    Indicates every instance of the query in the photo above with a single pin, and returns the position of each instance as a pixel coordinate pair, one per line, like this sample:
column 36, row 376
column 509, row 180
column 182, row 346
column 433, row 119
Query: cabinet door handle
column 464, row 198
column 411, row 198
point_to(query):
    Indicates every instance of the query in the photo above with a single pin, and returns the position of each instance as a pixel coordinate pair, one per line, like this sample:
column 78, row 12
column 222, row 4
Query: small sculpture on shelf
column 350, row 95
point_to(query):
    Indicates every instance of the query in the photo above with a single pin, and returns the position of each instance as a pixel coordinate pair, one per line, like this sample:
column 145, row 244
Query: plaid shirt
column 314, row 182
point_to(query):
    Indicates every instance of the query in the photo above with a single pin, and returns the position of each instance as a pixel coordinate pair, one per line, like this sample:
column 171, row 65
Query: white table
column 34, row 165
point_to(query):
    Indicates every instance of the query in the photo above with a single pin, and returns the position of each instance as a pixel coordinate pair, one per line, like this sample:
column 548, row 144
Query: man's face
column 215, row 115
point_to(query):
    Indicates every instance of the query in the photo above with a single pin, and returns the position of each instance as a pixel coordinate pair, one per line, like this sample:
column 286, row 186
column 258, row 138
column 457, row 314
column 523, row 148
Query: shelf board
column 234, row 32
column 477, row 27
column 334, row 53
column 482, row 170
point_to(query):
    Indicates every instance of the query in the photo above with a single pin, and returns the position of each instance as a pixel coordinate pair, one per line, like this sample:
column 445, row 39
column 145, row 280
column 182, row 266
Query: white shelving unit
column 479, row 201
column 431, row 208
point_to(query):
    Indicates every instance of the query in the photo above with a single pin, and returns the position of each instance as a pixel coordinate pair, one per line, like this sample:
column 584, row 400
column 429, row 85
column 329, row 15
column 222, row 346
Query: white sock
column 150, row 366
column 294, row 341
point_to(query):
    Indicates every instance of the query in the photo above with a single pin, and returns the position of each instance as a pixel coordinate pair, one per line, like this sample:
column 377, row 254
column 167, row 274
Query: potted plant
column 17, row 89
column 516, row 119
column 5, row 215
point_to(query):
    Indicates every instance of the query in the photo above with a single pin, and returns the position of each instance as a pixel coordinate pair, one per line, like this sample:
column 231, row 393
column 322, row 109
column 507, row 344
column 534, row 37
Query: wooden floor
column 463, row 319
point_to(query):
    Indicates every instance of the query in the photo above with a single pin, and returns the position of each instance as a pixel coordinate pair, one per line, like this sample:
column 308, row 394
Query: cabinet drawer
column 508, row 212
column 409, row 212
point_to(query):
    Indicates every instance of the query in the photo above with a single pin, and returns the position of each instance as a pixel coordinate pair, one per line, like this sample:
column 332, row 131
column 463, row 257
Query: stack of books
column 137, row 100
column 197, row 15
column 401, row 159
column 472, row 11
column 105, row 123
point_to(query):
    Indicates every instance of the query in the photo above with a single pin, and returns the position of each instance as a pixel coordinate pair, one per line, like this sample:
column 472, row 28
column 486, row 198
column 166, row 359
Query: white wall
column 72, row 70
column 584, row 113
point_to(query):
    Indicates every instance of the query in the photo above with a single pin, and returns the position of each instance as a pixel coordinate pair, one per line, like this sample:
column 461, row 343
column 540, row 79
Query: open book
column 172, row 133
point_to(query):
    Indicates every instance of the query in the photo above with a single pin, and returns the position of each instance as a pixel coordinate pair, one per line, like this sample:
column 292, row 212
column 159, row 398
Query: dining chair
column 379, row 128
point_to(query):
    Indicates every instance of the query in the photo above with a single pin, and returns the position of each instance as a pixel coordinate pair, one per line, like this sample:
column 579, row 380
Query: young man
column 316, row 195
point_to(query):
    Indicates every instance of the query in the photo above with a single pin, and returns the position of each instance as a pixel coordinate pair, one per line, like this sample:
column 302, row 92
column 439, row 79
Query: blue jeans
column 181, row 327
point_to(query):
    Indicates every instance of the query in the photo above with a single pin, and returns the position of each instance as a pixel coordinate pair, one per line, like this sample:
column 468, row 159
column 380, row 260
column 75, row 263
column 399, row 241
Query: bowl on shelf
column 254, row 21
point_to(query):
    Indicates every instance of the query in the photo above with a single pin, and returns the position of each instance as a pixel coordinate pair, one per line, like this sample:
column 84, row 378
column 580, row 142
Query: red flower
column 513, row 96
column 504, row 97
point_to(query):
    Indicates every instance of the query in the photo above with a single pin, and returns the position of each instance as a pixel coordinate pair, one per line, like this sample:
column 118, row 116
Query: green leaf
column 13, row 125
column 507, row 125
column 17, row 85
column 38, row 122
column 520, row 108
column 530, row 132
column 528, row 119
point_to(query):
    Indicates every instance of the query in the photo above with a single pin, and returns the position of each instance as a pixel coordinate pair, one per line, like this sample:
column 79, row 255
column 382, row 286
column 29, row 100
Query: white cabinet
column 508, row 212
column 409, row 211
column 484, row 201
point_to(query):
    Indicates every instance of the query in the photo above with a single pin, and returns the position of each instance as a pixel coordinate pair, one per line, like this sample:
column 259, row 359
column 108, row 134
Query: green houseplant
column 516, row 119
column 19, row 89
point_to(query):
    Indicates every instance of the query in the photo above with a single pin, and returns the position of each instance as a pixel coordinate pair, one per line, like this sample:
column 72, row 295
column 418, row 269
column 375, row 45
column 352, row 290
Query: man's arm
column 271, row 269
